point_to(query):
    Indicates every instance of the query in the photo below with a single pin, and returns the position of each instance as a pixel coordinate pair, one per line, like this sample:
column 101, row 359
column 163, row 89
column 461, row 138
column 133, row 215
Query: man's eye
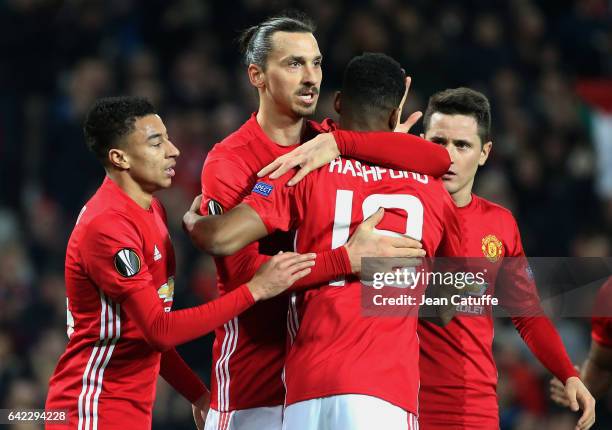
column 294, row 64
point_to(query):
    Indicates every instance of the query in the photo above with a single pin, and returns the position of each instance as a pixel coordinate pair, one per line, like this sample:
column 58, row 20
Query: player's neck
column 463, row 197
column 279, row 127
column 132, row 189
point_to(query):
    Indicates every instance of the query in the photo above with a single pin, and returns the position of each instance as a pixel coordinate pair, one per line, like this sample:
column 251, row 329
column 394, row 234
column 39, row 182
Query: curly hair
column 110, row 119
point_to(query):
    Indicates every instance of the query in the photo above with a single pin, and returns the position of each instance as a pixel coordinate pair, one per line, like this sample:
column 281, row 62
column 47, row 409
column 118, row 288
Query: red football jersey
column 464, row 393
column 106, row 378
column 601, row 323
column 336, row 349
column 249, row 351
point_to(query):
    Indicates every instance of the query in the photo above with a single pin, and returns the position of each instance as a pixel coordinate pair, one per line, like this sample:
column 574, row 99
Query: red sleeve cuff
column 344, row 260
column 246, row 294
column 568, row 372
column 342, row 143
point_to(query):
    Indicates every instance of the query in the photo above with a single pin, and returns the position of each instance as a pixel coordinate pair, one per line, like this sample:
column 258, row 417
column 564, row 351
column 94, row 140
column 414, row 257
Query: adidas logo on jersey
column 156, row 254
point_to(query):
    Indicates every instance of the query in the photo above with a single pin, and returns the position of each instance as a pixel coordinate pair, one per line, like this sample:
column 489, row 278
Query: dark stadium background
column 541, row 63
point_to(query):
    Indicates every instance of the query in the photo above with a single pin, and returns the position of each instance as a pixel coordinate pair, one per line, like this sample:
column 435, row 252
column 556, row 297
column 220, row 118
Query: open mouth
column 308, row 97
column 170, row 171
column 449, row 175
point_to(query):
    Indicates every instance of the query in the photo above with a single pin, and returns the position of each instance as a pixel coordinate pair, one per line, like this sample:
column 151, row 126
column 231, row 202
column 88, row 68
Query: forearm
column 223, row 235
column 394, row 150
column 544, row 341
column 164, row 330
column 329, row 265
column 597, row 369
column 597, row 379
column 207, row 233
column 181, row 377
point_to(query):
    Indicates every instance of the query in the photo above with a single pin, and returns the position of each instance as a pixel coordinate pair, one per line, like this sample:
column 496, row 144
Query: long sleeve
column 329, row 265
column 164, row 330
column 542, row 338
column 394, row 150
column 180, row 376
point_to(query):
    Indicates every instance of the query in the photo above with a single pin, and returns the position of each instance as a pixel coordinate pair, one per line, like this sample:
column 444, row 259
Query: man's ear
column 256, row 75
column 394, row 118
column 118, row 158
column 337, row 98
column 484, row 153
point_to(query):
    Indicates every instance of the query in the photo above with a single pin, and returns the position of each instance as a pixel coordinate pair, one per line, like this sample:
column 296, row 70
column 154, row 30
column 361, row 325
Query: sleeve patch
column 127, row 262
column 263, row 189
column 214, row 207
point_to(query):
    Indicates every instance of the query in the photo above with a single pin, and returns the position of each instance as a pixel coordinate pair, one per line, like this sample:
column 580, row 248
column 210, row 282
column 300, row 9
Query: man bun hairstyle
column 256, row 41
column 462, row 101
column 110, row 119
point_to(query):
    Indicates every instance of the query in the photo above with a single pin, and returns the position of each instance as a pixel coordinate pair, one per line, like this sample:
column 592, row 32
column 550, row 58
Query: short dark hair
column 373, row 84
column 462, row 101
column 110, row 119
column 256, row 41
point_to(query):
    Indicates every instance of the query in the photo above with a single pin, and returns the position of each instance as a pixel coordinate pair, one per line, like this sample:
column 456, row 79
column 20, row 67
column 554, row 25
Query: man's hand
column 309, row 156
column 322, row 149
column 412, row 119
column 367, row 243
column 192, row 215
column 279, row 273
column 200, row 410
column 575, row 396
column 557, row 391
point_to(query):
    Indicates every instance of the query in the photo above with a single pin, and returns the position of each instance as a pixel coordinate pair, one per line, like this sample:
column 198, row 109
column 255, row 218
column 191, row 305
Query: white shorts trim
column 245, row 419
column 348, row 412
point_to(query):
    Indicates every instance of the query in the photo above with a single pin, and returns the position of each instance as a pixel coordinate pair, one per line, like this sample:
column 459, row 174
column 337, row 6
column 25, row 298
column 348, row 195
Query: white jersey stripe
column 296, row 322
column 230, row 340
column 290, row 320
column 117, row 334
column 98, row 380
column 110, row 331
column 290, row 325
column 218, row 369
column 94, row 353
column 108, row 324
column 220, row 373
column 234, row 321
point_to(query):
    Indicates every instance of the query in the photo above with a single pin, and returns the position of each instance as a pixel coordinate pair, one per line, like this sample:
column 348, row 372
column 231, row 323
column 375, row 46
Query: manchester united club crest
column 166, row 292
column 492, row 248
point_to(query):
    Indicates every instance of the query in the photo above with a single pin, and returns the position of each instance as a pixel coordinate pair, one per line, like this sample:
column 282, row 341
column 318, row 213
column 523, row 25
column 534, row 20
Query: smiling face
column 459, row 135
column 147, row 154
column 292, row 77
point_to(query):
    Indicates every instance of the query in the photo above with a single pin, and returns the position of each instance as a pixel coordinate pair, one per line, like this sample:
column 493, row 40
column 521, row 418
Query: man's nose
column 309, row 76
column 173, row 151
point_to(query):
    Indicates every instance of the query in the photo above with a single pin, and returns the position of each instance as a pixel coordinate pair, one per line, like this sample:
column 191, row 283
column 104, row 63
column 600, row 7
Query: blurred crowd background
column 546, row 66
